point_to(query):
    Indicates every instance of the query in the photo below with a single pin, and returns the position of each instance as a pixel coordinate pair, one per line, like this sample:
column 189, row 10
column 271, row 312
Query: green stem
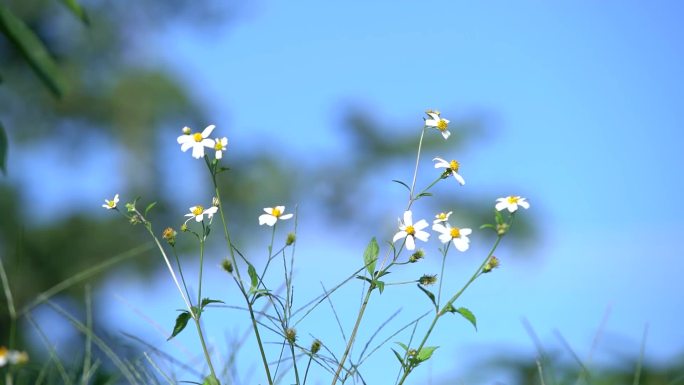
column 353, row 335
column 449, row 303
column 308, row 365
column 441, row 274
column 258, row 338
column 415, row 171
column 294, row 363
column 201, row 266
column 204, row 347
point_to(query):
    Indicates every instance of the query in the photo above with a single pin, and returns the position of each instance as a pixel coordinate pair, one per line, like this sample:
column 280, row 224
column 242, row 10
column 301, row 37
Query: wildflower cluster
column 277, row 315
column 12, row 357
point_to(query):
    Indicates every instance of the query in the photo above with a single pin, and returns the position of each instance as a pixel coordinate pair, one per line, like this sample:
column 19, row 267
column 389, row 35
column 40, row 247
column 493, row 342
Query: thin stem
column 449, row 303
column 441, row 274
column 353, row 335
column 258, row 337
column 294, row 363
column 415, row 171
column 308, row 365
column 180, row 271
column 204, row 346
column 201, row 265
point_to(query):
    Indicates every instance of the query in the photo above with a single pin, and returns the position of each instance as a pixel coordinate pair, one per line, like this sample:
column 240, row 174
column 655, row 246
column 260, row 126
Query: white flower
column 272, row 215
column 410, row 231
column 438, row 122
column 442, row 217
column 448, row 233
column 198, row 213
column 3, row 356
column 16, row 357
column 196, row 141
column 220, row 146
column 111, row 204
column 450, row 166
column 511, row 203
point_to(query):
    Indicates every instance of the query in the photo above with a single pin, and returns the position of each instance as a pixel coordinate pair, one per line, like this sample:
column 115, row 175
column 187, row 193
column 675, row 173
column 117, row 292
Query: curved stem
column 415, row 171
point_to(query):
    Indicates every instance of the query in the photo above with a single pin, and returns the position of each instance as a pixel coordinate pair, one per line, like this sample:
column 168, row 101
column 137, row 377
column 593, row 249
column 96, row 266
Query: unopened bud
column 502, row 228
column 427, row 279
column 291, row 335
column 315, row 346
column 187, row 130
column 417, row 256
column 184, row 227
column 215, row 201
column 291, row 238
column 491, row 264
column 134, row 219
column 227, row 265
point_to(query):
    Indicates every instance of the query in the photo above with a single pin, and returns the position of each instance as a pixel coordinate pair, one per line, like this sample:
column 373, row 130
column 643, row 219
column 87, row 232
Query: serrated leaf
column 210, row 380
column 370, row 256
column 402, row 183
column 401, row 360
column 467, row 314
column 181, row 323
column 77, row 10
column 207, row 301
column 380, row 285
column 4, row 147
column 33, row 50
column 149, row 207
column 403, row 346
column 253, row 277
column 425, row 353
column 429, row 294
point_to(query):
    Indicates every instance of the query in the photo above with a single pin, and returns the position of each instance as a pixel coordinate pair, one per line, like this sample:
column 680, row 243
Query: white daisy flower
column 198, row 212
column 438, row 122
column 511, row 203
column 272, row 215
column 111, row 204
column 455, row 234
column 220, row 146
column 196, row 141
column 410, row 231
column 441, row 217
column 452, row 167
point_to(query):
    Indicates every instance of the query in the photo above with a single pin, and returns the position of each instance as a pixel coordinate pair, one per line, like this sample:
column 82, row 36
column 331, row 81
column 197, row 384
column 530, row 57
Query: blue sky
column 584, row 100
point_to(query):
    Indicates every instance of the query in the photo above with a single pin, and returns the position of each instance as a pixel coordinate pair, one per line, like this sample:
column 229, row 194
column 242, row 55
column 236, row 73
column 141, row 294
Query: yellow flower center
column 442, row 216
column 453, row 165
column 455, row 232
column 442, row 125
column 197, row 136
column 513, row 200
column 111, row 204
column 198, row 210
column 410, row 230
column 218, row 146
column 276, row 213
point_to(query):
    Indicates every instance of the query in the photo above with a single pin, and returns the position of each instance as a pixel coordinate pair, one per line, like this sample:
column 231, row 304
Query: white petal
column 446, row 134
column 280, row 208
column 461, row 245
column 512, row 207
column 268, row 210
column 410, row 243
column 399, row 235
column 431, row 122
column 207, row 131
column 459, row 178
column 408, row 218
column 521, row 202
column 501, row 205
column 184, row 139
column 219, row 154
column 434, row 116
column 421, row 224
column 211, row 211
column 267, row 219
column 440, row 228
column 441, row 163
column 208, row 143
column 422, row 235
column 445, row 237
column 186, row 145
column 286, row 216
column 199, row 218
column 466, row 231
column 197, row 151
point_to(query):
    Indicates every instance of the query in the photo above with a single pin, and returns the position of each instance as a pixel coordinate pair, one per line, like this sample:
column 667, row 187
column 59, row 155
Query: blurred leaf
column 467, row 314
column 425, row 353
column 33, row 50
column 149, row 207
column 181, row 322
column 370, row 256
column 253, row 276
column 207, row 301
column 401, row 360
column 211, row 380
column 77, row 10
column 4, row 146
column 402, row 183
column 380, row 285
column 403, row 346
column 429, row 294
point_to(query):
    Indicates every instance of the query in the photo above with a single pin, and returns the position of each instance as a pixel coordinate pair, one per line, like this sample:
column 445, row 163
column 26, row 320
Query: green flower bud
column 315, row 346
column 291, row 335
column 227, row 265
column 291, row 238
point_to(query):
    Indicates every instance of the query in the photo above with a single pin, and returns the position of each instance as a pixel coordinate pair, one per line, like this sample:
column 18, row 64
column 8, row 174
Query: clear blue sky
column 587, row 97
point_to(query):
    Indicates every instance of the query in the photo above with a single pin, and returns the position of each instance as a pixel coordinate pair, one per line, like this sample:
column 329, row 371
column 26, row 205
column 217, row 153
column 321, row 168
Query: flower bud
column 184, row 227
column 134, row 219
column 417, row 256
column 427, row 279
column 491, row 264
column 187, row 130
column 315, row 346
column 502, row 228
column 291, row 238
column 291, row 335
column 227, row 265
column 215, row 201
column 169, row 235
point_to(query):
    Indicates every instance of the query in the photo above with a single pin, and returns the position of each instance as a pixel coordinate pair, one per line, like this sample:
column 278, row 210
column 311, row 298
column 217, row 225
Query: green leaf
column 487, row 226
column 425, row 194
column 207, row 301
column 425, row 353
column 370, row 256
column 33, row 50
column 380, row 285
column 467, row 314
column 499, row 217
column 253, row 276
column 361, row 277
column 181, row 323
column 428, row 293
column 149, row 207
column 77, row 10
column 4, row 147
column 210, row 380
column 403, row 346
column 401, row 360
column 402, row 183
